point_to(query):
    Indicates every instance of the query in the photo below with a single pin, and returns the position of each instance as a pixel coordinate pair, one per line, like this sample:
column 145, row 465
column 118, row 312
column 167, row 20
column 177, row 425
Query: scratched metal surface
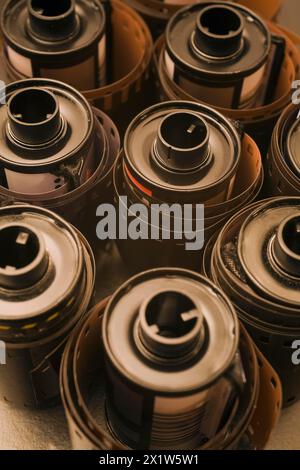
column 47, row 429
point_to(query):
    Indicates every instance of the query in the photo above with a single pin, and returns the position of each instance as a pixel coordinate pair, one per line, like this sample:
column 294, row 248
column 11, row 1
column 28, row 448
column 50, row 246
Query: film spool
column 260, row 119
column 251, row 427
column 176, row 392
column 129, row 88
column 143, row 177
column 47, row 276
column 56, row 150
column 283, row 165
column 157, row 12
column 263, row 305
column 64, row 40
column 221, row 56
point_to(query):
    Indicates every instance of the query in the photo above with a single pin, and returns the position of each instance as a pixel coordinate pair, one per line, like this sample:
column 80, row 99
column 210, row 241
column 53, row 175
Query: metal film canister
column 253, row 94
column 64, row 40
column 173, row 359
column 220, row 55
column 255, row 261
column 46, row 285
column 87, row 392
column 176, row 152
column 55, row 150
column 204, row 161
column 128, row 87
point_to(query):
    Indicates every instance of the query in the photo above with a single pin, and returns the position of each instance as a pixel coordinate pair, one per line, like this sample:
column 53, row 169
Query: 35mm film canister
column 283, row 162
column 173, row 358
column 183, row 153
column 225, row 55
column 218, row 53
column 46, row 285
column 121, row 407
column 56, row 150
column 64, row 40
column 157, row 12
column 255, row 260
column 128, row 88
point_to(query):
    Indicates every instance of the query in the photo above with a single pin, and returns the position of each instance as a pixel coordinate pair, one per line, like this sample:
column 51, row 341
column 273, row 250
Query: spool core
column 219, row 31
column 286, row 245
column 170, row 325
column 182, row 141
column 23, row 259
column 33, row 116
column 52, row 20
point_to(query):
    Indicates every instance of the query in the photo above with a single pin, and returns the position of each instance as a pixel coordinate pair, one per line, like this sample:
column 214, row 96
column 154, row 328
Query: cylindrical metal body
column 63, row 40
column 128, row 88
column 255, row 260
column 84, row 384
column 46, row 285
column 56, row 150
column 182, row 153
column 252, row 87
column 218, row 54
column 173, row 358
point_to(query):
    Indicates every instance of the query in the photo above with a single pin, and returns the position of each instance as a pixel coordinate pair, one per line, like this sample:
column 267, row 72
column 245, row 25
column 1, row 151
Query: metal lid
column 171, row 331
column 43, row 123
column 218, row 38
column 181, row 146
column 52, row 29
column 41, row 262
column 269, row 250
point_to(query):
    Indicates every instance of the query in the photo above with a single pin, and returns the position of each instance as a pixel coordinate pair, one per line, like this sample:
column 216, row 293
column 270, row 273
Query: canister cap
column 41, row 263
column 53, row 31
column 170, row 330
column 178, row 148
column 44, row 123
column 222, row 40
column 269, row 250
